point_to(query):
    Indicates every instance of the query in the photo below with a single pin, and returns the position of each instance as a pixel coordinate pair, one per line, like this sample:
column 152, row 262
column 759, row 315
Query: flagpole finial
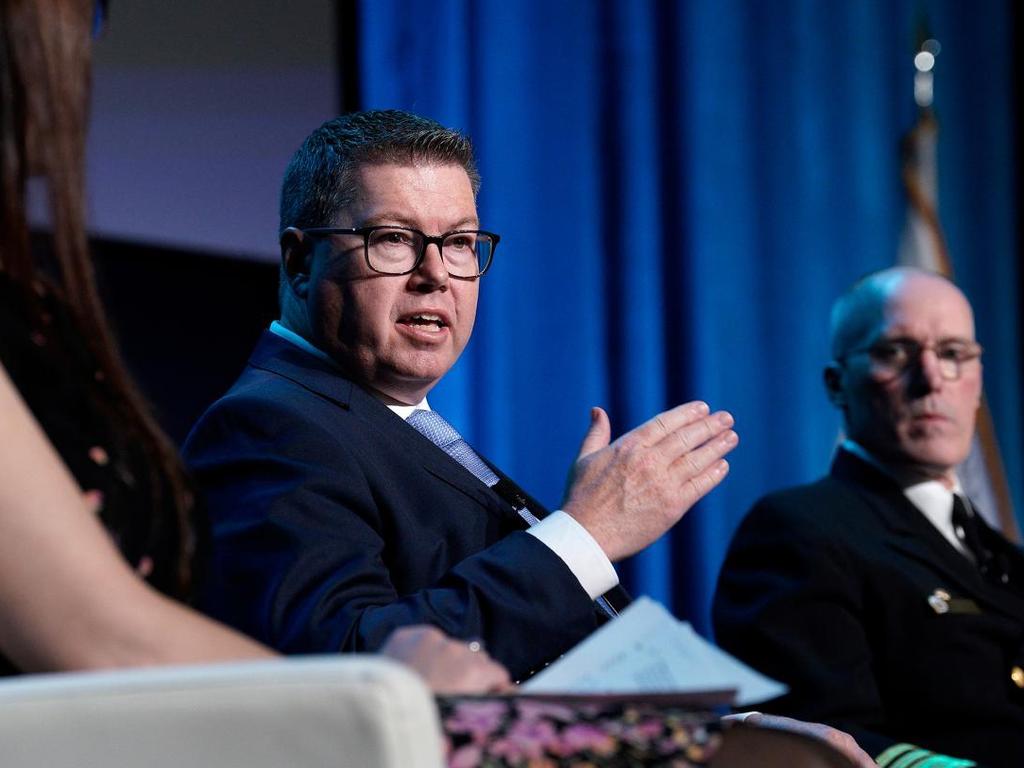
column 924, row 72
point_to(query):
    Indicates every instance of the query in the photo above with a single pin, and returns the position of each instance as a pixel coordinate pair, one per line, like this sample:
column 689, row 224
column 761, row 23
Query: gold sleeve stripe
column 910, row 756
column 892, row 753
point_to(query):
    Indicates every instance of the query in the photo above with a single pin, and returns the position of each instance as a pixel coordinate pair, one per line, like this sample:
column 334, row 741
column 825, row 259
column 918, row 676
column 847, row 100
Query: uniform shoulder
column 800, row 500
column 812, row 511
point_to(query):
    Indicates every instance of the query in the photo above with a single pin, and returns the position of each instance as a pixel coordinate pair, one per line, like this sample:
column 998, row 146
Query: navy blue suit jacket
column 832, row 588
column 334, row 522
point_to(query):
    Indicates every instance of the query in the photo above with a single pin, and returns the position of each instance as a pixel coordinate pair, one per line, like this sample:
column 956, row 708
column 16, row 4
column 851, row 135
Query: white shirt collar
column 935, row 501
column 405, row 411
column 276, row 328
column 931, row 497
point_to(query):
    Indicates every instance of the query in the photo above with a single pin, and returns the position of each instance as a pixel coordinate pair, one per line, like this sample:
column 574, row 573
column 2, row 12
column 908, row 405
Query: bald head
column 857, row 313
column 905, row 370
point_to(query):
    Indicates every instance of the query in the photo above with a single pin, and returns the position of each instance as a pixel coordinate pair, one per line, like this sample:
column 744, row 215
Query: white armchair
column 313, row 712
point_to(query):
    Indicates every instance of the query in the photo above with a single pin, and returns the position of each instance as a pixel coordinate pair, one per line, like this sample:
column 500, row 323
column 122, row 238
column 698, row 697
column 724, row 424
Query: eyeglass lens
column 396, row 250
column 895, row 357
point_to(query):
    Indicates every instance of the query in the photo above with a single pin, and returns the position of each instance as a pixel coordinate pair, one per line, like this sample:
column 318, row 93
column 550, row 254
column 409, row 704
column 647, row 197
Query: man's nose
column 926, row 372
column 432, row 269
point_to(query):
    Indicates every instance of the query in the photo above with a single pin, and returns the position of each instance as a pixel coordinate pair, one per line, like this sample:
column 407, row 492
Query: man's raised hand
column 628, row 493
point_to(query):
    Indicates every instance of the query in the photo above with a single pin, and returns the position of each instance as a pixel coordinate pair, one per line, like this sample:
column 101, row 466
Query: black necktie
column 968, row 530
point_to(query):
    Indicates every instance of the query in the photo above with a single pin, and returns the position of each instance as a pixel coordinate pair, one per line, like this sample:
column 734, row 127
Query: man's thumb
column 599, row 434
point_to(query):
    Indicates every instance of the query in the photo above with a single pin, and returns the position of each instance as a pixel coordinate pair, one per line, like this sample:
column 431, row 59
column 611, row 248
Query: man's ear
column 833, row 378
column 296, row 256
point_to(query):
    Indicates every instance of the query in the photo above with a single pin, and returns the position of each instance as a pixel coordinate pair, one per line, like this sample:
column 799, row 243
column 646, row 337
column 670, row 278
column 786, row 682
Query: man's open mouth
column 426, row 321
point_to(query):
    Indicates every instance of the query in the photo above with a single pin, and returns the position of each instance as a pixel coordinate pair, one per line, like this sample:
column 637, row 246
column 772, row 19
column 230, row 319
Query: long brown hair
column 45, row 57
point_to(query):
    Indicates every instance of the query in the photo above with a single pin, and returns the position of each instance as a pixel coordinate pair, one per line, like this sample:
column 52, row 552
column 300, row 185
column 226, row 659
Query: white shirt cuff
column 560, row 533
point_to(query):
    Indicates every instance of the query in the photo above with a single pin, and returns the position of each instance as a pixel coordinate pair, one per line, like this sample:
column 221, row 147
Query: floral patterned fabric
column 524, row 732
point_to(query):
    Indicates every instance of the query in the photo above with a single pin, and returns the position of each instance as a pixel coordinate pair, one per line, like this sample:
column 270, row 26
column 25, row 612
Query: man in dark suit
column 341, row 507
column 877, row 594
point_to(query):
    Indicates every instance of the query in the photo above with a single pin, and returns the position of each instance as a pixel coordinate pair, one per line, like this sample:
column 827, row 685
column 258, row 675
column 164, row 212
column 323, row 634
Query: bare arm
column 67, row 598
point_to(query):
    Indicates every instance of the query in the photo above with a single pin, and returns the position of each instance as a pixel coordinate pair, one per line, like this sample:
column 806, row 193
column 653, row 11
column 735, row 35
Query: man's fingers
column 463, row 672
column 599, row 434
column 669, row 421
column 482, row 673
column 630, row 493
column 497, row 678
column 695, row 461
column 697, row 487
column 448, row 666
column 695, row 454
column 690, row 437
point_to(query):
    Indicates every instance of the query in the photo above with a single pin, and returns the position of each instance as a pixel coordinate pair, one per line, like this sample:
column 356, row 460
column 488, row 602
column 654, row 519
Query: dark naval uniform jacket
column 844, row 591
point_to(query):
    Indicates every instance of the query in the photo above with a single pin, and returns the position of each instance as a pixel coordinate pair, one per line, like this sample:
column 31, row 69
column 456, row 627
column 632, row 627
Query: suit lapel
column 445, row 468
column 913, row 535
column 327, row 380
column 321, row 377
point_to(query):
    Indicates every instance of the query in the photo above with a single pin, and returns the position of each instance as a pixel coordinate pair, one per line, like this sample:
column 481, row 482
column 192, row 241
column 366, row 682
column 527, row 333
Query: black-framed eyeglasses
column 891, row 358
column 466, row 253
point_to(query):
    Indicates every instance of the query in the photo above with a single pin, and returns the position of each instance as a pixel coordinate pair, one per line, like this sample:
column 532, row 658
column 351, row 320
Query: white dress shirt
column 932, row 498
column 559, row 531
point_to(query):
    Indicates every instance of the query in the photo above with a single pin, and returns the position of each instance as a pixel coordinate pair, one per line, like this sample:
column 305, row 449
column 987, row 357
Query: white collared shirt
column 559, row 531
column 931, row 497
column 935, row 501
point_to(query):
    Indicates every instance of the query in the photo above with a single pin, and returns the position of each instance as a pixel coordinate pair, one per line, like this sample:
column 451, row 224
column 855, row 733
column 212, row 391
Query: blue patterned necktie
column 442, row 434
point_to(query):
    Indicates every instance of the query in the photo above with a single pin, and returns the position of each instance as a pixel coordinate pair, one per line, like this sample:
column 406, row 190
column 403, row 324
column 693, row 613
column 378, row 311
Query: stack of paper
column 646, row 650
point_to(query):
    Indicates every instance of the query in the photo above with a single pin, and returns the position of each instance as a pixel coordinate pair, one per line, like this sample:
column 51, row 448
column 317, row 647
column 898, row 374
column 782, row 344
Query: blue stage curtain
column 682, row 188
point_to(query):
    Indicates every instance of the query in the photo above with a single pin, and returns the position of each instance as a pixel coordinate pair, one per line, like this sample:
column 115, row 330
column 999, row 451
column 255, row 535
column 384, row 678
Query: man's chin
column 406, row 387
column 934, row 460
